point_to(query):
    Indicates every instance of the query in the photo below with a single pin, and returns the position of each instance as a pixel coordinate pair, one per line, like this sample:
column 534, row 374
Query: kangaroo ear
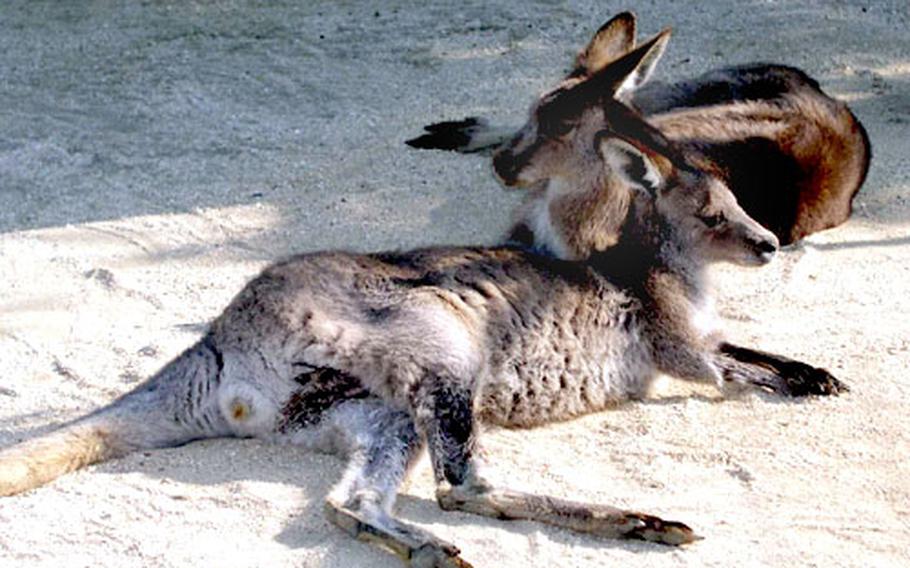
column 648, row 55
column 613, row 40
column 638, row 169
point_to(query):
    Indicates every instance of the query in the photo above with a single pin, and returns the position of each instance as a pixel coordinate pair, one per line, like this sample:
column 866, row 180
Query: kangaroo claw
column 432, row 556
column 655, row 529
column 806, row 380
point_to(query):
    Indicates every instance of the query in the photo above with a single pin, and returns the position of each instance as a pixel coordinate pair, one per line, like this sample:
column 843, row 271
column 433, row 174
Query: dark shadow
column 174, row 119
column 763, row 396
column 177, row 108
column 674, row 399
column 868, row 243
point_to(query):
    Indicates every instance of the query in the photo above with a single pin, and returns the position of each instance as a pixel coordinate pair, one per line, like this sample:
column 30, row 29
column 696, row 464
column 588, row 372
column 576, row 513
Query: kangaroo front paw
column 655, row 529
column 804, row 380
column 775, row 373
column 787, row 378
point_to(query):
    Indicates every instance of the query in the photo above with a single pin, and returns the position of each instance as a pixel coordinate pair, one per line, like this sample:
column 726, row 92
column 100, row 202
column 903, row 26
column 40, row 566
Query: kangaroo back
column 172, row 408
column 794, row 157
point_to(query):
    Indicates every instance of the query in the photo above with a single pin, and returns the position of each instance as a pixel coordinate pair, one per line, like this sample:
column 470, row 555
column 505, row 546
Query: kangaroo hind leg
column 382, row 444
column 174, row 407
column 451, row 435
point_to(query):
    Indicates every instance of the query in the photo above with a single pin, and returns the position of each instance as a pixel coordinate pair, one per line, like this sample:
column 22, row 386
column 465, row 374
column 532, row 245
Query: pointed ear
column 644, row 61
column 613, row 40
column 637, row 168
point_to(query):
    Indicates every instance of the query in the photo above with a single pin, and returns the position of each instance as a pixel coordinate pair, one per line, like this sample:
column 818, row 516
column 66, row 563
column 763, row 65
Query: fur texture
column 376, row 356
column 793, row 156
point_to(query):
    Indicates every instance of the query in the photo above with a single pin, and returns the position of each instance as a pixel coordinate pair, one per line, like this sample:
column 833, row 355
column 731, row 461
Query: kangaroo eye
column 712, row 221
column 557, row 115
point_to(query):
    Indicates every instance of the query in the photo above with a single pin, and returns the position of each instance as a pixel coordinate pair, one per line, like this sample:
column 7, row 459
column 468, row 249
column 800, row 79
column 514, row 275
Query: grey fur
column 579, row 199
column 375, row 355
column 437, row 337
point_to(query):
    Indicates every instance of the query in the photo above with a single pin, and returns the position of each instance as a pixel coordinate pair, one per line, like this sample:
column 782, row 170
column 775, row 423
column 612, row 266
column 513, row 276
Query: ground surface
column 155, row 155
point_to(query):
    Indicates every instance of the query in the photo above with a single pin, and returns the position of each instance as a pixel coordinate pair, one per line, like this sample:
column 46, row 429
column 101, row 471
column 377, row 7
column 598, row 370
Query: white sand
column 153, row 158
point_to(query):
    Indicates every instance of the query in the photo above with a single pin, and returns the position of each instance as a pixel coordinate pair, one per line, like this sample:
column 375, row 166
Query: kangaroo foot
column 600, row 520
column 417, row 548
column 655, row 529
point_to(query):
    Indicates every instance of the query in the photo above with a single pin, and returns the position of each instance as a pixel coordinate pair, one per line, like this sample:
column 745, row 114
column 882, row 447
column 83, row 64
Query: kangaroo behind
column 793, row 156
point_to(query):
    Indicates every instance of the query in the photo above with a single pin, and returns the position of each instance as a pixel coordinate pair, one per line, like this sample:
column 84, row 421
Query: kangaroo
column 793, row 156
column 578, row 200
column 375, row 356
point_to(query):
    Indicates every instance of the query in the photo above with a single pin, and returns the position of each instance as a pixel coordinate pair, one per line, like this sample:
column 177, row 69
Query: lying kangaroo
column 377, row 355
column 793, row 156
column 578, row 201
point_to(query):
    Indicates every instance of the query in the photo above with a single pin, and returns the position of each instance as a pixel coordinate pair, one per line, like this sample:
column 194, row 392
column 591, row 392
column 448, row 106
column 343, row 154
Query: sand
column 156, row 155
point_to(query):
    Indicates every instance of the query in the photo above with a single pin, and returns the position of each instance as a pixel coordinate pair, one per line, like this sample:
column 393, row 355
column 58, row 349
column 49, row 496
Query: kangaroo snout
column 506, row 167
column 765, row 249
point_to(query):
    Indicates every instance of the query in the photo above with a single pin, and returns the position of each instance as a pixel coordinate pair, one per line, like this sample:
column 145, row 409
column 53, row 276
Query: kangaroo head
column 702, row 214
column 607, row 69
column 574, row 154
column 556, row 152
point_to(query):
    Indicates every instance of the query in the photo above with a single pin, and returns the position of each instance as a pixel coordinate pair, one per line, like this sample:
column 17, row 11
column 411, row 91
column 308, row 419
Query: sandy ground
column 155, row 155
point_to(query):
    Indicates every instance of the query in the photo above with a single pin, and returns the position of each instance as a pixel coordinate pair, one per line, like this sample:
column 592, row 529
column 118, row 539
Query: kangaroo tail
column 176, row 406
column 463, row 136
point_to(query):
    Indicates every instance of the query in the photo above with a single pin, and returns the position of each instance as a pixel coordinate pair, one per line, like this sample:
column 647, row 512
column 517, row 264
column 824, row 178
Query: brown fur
column 801, row 157
column 793, row 156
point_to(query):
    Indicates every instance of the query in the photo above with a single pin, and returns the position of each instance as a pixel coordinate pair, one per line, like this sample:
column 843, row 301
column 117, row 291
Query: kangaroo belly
column 567, row 376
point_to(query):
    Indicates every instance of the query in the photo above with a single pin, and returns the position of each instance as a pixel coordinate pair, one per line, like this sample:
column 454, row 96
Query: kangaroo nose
column 764, row 250
column 758, row 247
column 766, row 247
column 506, row 167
